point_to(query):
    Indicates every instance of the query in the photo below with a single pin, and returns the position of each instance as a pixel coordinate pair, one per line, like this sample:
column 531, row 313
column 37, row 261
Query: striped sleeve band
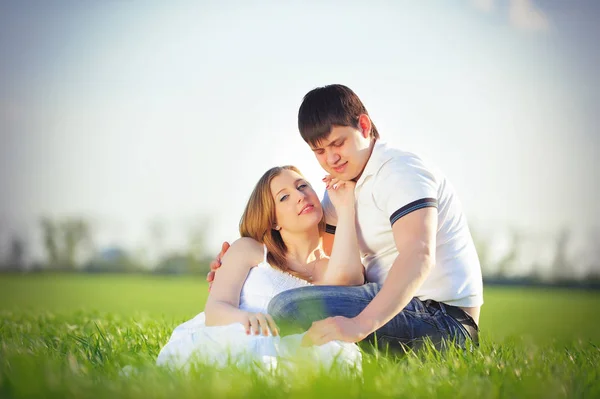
column 329, row 229
column 413, row 206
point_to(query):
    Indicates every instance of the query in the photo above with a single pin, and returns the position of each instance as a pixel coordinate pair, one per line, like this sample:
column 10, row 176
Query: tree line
column 69, row 247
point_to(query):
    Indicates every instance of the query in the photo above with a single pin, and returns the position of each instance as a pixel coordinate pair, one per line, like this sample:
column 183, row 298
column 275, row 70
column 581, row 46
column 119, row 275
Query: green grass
column 71, row 335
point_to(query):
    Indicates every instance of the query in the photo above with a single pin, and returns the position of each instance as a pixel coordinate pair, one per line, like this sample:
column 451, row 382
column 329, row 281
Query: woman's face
column 297, row 206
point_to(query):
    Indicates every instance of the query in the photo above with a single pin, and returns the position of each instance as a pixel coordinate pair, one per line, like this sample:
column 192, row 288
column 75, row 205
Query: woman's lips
column 308, row 208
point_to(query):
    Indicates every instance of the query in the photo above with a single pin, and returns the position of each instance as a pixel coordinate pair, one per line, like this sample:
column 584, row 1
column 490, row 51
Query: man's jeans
column 295, row 310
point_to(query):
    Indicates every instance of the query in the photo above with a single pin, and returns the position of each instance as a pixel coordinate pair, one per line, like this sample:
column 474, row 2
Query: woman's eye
column 302, row 186
column 283, row 198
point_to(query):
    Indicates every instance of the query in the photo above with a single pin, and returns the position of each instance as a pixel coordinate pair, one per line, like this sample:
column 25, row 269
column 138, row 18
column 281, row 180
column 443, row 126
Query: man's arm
column 415, row 238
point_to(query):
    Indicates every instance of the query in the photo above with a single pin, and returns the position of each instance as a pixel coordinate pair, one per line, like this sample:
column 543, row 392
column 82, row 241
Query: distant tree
column 15, row 258
column 112, row 260
column 593, row 266
column 507, row 262
column 157, row 231
column 174, row 263
column 51, row 239
column 64, row 241
column 16, row 255
column 483, row 252
column 191, row 260
column 561, row 269
column 197, row 237
column 181, row 263
column 75, row 234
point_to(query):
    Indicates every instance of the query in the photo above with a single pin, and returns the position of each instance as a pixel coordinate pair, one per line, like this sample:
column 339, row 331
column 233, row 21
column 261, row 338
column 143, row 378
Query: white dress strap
column 265, row 257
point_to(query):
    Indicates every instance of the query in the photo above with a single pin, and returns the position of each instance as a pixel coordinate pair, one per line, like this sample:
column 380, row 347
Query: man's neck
column 371, row 146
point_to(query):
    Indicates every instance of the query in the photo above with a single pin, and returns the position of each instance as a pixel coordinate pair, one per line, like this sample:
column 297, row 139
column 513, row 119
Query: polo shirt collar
column 378, row 157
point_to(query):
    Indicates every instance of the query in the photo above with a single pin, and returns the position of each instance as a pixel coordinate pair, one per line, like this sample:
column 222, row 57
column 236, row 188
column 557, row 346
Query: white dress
column 220, row 346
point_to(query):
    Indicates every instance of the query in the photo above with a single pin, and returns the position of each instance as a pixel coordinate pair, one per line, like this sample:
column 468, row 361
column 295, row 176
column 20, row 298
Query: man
column 423, row 273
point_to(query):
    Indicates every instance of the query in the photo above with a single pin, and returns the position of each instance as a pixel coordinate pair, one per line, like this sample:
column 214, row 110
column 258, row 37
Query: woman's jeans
column 295, row 310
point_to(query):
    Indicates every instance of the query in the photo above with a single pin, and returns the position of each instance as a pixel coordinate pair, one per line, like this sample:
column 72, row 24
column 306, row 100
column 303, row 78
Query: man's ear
column 364, row 125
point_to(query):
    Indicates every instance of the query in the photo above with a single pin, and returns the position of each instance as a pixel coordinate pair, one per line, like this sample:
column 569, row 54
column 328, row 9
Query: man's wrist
column 366, row 325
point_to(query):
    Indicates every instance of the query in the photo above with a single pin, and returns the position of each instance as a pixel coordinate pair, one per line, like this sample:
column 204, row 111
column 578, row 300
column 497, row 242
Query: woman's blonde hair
column 258, row 220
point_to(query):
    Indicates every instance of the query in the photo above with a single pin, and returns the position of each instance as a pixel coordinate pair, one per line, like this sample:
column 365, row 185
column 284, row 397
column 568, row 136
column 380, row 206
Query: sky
column 135, row 114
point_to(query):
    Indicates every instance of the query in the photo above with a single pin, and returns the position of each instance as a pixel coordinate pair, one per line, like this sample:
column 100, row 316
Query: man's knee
column 282, row 307
column 295, row 310
column 285, row 310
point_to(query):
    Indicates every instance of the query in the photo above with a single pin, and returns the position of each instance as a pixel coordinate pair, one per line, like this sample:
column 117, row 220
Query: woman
column 279, row 249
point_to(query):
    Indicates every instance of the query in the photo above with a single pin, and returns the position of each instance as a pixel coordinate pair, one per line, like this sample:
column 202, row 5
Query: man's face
column 344, row 153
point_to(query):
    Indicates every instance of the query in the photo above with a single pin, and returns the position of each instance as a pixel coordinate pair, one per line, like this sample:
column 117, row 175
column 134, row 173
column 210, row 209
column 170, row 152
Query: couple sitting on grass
column 386, row 257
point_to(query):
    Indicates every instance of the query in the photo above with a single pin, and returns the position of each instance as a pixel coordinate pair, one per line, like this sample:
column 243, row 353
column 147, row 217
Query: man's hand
column 215, row 264
column 334, row 328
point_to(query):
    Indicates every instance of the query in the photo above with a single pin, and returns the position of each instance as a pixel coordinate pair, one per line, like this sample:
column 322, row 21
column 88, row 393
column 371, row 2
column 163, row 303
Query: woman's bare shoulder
column 244, row 250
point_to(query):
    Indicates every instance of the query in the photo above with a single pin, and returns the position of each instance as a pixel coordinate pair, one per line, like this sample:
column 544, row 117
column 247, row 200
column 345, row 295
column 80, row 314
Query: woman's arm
column 222, row 306
column 344, row 266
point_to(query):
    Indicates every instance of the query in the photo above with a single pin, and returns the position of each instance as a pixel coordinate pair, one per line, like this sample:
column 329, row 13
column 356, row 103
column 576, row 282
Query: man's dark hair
column 328, row 106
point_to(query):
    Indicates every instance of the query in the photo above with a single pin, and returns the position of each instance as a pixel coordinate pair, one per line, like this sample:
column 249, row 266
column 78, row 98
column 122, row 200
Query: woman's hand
column 340, row 192
column 259, row 323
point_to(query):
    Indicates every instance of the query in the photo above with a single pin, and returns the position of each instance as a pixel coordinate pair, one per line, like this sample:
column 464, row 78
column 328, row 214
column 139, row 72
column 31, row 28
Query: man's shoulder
column 405, row 176
column 395, row 160
column 392, row 155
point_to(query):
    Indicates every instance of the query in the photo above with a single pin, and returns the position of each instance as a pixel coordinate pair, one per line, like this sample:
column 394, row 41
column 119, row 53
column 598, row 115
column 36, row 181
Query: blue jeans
column 295, row 310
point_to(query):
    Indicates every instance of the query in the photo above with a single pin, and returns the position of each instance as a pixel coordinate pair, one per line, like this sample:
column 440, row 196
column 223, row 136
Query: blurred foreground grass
column 71, row 335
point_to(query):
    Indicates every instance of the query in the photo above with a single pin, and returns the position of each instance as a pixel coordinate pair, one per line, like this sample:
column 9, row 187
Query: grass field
column 71, row 335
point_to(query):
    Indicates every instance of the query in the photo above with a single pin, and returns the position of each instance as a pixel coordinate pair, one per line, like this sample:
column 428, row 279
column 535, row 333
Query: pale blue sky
column 130, row 111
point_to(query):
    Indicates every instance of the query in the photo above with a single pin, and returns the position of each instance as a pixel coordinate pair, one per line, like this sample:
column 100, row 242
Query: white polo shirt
column 393, row 184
